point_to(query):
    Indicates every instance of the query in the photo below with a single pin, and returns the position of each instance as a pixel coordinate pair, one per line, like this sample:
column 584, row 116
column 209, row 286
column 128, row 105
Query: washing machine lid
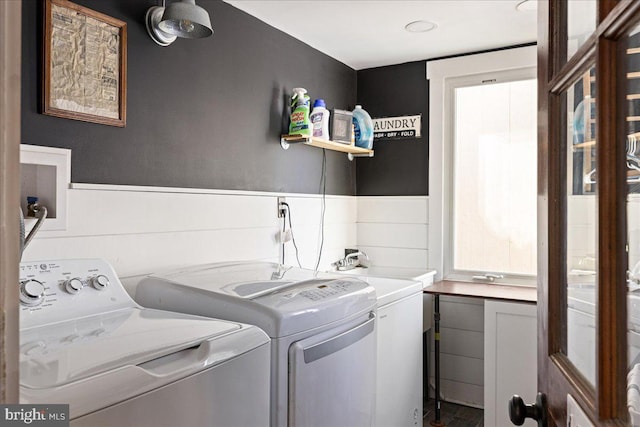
column 279, row 300
column 56, row 355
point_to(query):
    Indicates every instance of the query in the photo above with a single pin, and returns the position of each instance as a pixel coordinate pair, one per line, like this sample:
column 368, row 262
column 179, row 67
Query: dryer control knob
column 73, row 286
column 31, row 292
column 100, row 282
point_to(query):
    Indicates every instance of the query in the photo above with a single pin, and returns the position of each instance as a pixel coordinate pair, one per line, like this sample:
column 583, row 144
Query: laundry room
column 347, row 203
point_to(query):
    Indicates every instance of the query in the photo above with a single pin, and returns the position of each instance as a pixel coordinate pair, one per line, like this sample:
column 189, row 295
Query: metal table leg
column 425, row 366
column 436, row 325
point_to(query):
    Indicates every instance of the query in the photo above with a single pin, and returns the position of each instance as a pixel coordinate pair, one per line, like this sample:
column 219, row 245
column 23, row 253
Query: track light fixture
column 180, row 19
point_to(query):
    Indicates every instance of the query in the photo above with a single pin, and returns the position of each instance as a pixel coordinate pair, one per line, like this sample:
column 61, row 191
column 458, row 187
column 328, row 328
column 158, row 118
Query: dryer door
column 332, row 377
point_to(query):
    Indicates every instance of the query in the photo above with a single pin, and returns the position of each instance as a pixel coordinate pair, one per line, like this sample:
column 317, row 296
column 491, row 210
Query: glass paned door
column 588, row 194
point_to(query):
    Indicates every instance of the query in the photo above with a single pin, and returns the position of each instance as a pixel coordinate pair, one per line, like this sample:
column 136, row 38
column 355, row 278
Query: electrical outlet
column 281, row 209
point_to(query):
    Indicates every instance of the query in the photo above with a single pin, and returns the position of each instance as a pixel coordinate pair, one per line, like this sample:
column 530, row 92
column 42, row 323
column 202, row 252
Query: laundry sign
column 402, row 127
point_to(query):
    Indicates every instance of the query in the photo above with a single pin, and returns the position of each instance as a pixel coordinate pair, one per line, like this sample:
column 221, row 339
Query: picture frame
column 84, row 67
column 341, row 126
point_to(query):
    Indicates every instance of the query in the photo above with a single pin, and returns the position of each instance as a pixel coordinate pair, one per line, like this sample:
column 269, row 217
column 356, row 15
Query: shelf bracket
column 284, row 143
column 351, row 156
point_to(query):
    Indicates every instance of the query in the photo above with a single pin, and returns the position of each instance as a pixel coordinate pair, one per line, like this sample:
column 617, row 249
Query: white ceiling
column 365, row 33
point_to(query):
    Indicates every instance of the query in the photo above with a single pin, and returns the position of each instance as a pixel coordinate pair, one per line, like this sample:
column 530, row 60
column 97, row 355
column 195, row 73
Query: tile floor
column 453, row 415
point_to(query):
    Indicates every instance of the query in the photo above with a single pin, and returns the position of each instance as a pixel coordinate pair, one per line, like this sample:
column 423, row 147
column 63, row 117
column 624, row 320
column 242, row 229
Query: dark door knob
column 519, row 411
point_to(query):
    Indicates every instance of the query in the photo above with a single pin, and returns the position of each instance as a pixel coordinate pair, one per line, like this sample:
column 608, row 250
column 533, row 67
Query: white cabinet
column 399, row 365
column 510, row 359
column 399, row 374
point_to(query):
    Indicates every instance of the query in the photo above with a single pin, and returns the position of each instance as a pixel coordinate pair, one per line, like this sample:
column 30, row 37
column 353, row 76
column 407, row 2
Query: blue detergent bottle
column 363, row 128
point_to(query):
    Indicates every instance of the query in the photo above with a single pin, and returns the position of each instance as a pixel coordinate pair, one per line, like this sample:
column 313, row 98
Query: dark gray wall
column 200, row 113
column 400, row 167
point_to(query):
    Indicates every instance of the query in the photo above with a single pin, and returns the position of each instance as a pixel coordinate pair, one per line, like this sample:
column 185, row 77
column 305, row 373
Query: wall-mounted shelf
column 584, row 145
column 593, row 142
column 351, row 150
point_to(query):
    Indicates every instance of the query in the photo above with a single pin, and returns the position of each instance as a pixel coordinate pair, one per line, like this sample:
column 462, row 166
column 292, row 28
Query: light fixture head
column 179, row 19
column 152, row 19
column 420, row 26
column 186, row 19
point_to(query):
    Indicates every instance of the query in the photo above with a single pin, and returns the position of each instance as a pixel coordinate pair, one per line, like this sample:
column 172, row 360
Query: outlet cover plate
column 281, row 208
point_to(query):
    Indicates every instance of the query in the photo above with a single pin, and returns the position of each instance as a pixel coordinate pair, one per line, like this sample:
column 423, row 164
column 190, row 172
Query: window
column 493, row 177
column 483, row 166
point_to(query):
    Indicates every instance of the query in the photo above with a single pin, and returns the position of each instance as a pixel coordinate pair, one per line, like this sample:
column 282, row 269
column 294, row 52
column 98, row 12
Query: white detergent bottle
column 320, row 119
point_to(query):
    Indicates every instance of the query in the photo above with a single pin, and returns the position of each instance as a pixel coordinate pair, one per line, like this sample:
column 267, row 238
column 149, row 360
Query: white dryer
column 86, row 343
column 322, row 328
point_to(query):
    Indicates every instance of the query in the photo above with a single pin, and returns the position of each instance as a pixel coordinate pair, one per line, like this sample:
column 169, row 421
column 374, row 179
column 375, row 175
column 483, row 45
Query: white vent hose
column 41, row 214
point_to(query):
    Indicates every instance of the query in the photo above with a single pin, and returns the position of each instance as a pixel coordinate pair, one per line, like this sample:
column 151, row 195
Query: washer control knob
column 31, row 292
column 32, row 348
column 100, row 282
column 73, row 286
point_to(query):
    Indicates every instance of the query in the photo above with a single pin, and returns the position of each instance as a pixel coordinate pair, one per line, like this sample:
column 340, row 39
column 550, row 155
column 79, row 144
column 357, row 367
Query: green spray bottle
column 300, row 123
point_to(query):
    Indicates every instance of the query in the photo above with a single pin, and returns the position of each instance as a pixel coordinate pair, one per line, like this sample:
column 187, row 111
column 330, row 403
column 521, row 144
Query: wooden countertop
column 524, row 294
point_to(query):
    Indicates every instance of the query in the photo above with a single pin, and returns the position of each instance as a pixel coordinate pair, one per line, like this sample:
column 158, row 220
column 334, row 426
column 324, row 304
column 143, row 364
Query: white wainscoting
column 582, row 222
column 581, row 239
column 145, row 229
column 393, row 230
column 461, row 351
column 339, row 231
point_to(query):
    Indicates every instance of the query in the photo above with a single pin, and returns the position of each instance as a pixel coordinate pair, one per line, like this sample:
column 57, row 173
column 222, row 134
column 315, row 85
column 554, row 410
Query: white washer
column 86, row 343
column 322, row 328
column 399, row 388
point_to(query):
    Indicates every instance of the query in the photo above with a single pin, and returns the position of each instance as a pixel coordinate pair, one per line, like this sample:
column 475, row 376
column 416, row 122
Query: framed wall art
column 84, row 64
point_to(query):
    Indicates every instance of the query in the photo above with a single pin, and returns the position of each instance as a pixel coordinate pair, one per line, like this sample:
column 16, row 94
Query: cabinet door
column 510, row 364
column 399, row 364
